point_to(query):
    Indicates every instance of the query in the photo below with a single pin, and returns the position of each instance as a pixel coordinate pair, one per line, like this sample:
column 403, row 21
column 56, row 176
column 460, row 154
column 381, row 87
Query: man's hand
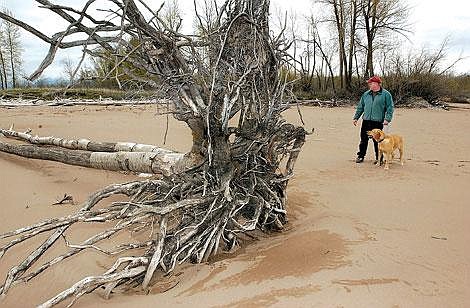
column 385, row 122
column 354, row 122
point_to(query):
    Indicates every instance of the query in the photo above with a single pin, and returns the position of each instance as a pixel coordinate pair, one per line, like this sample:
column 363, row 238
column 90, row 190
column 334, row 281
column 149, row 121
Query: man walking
column 376, row 108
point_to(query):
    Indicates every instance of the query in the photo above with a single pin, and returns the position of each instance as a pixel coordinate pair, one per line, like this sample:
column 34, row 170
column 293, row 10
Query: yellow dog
column 387, row 145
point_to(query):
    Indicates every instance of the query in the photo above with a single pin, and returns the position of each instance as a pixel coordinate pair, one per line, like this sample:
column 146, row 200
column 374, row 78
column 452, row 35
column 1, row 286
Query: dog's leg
column 381, row 158
column 387, row 160
column 402, row 154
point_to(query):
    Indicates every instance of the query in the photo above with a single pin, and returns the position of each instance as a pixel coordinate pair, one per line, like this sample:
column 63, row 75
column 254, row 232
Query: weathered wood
column 89, row 283
column 17, row 271
column 84, row 144
column 233, row 180
column 163, row 162
column 157, row 255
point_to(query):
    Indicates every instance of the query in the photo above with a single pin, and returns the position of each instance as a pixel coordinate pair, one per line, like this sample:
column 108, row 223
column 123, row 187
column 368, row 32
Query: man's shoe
column 359, row 159
column 376, row 162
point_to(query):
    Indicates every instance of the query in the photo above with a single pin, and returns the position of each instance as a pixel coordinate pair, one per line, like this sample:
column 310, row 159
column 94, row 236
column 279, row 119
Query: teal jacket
column 378, row 108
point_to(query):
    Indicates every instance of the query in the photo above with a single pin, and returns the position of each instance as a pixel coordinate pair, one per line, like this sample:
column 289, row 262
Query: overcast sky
column 432, row 20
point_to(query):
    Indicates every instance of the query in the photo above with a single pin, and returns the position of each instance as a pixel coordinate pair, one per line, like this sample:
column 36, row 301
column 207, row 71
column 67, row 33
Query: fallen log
column 142, row 162
column 84, row 144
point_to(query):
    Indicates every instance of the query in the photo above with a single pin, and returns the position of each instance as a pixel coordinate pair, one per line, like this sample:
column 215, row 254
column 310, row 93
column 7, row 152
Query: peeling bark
column 83, row 144
column 160, row 162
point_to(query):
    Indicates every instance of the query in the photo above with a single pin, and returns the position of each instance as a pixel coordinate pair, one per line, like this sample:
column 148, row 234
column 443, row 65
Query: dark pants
column 366, row 126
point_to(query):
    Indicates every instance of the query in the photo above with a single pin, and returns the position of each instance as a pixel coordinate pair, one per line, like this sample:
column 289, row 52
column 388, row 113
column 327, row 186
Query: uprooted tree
column 226, row 84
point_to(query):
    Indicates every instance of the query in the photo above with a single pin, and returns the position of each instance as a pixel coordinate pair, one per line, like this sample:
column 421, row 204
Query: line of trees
column 335, row 49
column 345, row 37
column 11, row 53
column 346, row 41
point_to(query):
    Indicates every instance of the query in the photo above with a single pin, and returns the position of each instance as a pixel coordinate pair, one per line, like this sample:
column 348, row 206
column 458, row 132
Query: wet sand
column 358, row 236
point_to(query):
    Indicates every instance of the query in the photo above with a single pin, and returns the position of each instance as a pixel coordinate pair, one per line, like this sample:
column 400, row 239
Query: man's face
column 374, row 86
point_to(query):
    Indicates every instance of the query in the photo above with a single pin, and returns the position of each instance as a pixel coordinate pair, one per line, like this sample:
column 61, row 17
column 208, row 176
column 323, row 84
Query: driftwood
column 116, row 156
column 327, row 103
column 65, row 199
column 15, row 103
column 225, row 83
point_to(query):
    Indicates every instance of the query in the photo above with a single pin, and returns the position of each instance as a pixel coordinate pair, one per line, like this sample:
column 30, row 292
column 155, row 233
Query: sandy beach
column 358, row 236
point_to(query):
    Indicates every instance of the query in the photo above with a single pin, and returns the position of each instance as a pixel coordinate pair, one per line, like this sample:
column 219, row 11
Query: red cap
column 374, row 79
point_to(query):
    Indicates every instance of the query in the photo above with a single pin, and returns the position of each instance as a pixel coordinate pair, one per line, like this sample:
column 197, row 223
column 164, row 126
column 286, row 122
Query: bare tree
column 13, row 48
column 339, row 20
column 420, row 73
column 206, row 17
column 69, row 68
column 380, row 18
column 172, row 15
column 4, row 67
column 326, row 67
column 362, row 27
column 3, row 64
column 231, row 182
column 353, row 15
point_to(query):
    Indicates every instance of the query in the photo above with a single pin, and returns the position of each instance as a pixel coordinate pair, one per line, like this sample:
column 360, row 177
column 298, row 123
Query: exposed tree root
column 184, row 217
column 233, row 180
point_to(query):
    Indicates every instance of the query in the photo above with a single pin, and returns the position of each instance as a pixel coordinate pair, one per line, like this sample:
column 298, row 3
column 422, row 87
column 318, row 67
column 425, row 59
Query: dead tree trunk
column 115, row 156
column 225, row 85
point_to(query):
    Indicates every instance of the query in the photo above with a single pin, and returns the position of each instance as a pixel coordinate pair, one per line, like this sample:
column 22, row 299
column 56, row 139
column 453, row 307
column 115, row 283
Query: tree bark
column 83, row 144
column 144, row 162
column 352, row 42
column 3, row 71
column 12, row 60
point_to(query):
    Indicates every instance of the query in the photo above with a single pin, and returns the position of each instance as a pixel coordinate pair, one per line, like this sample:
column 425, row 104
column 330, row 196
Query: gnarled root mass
column 188, row 216
column 229, row 84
